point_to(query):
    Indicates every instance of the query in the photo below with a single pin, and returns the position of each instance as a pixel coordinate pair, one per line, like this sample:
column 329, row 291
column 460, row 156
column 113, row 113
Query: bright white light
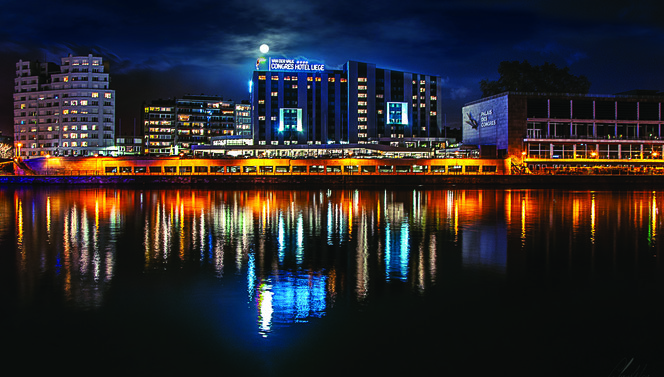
column 264, row 49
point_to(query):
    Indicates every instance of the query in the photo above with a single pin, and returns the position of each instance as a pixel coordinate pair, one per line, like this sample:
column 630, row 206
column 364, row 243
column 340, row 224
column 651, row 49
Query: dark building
column 295, row 102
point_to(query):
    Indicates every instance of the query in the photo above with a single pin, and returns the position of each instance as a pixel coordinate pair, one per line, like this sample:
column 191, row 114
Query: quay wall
column 599, row 183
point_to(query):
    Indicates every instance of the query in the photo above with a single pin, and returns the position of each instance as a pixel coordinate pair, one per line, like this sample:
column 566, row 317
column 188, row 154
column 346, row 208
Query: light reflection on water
column 299, row 250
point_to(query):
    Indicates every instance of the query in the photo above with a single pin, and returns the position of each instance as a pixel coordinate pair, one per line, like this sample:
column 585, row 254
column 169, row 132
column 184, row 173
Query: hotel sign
column 293, row 65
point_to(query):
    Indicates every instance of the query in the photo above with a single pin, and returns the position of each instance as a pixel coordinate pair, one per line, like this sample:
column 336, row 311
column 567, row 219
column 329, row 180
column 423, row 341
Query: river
column 356, row 282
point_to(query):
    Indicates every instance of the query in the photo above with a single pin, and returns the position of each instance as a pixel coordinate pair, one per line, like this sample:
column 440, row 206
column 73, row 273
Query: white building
column 63, row 110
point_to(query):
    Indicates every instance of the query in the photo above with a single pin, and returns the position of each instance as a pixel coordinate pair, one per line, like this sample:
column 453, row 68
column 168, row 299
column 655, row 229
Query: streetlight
column 18, row 150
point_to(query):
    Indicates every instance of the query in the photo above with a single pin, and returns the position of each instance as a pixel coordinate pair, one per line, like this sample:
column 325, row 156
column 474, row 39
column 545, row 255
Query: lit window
column 261, row 77
column 275, row 78
column 96, row 95
column 361, row 95
column 361, row 87
column 433, row 98
column 274, row 94
column 432, row 113
column 330, row 79
column 65, row 79
column 422, row 90
column 261, row 101
column 84, row 102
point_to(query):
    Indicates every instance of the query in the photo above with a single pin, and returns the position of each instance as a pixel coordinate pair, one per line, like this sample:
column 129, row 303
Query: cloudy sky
column 168, row 48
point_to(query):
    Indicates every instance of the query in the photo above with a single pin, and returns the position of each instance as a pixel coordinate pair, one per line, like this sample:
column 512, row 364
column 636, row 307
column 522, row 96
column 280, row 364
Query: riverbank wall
column 588, row 182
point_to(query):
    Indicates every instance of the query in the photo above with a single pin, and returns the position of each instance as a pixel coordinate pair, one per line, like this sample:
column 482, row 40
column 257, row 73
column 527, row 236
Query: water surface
column 303, row 282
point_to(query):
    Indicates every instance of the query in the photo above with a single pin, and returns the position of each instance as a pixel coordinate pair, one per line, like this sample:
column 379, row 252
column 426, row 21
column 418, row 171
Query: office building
column 297, row 102
column 63, row 110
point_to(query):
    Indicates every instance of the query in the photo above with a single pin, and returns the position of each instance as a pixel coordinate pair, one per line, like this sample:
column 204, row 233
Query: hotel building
column 295, row 102
column 565, row 129
column 176, row 125
column 65, row 110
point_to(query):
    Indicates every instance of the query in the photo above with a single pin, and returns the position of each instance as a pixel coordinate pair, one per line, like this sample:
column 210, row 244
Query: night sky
column 168, row 48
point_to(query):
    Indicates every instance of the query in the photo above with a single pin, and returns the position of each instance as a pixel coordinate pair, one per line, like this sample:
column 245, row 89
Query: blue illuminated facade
column 357, row 104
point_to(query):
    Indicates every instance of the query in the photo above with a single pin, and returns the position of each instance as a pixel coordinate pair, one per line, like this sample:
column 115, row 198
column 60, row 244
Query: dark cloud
column 159, row 49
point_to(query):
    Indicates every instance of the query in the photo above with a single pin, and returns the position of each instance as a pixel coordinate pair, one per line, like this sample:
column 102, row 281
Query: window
column 107, row 95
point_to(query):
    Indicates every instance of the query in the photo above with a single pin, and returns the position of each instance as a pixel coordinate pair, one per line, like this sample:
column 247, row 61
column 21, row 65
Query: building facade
column 64, row 110
column 173, row 126
column 556, row 128
column 243, row 120
column 358, row 104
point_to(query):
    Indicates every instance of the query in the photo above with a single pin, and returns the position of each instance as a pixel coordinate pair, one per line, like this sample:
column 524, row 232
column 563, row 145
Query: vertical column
column 550, row 150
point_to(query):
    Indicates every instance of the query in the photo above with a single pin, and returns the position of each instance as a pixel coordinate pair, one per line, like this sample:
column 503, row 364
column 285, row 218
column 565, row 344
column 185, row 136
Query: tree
column 6, row 151
column 523, row 77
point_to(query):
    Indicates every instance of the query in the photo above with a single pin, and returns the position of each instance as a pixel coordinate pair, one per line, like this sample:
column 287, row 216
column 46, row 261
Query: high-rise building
column 64, row 110
column 295, row 102
column 173, row 126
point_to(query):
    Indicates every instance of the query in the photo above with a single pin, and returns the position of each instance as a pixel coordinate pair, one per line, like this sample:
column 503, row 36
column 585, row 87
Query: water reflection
column 300, row 250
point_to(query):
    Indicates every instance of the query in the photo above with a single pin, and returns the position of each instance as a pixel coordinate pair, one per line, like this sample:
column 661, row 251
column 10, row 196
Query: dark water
column 101, row 281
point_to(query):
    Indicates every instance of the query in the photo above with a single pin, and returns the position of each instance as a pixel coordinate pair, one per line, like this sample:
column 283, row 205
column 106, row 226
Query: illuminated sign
column 290, row 119
column 397, row 113
column 484, row 118
column 281, row 64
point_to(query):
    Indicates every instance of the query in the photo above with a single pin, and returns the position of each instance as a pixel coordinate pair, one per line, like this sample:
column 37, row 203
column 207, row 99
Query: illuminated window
column 275, row 78
column 361, row 79
column 261, row 101
column 74, row 103
column 423, row 105
column 433, row 98
column 343, row 79
column 65, row 79
column 361, row 103
column 96, row 95
column 107, row 95
column 330, row 79
column 310, row 78
column 422, row 90
column 274, row 94
column 361, row 87
column 65, row 112
column 362, row 111
column 261, row 77
column 84, row 102
column 361, row 95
